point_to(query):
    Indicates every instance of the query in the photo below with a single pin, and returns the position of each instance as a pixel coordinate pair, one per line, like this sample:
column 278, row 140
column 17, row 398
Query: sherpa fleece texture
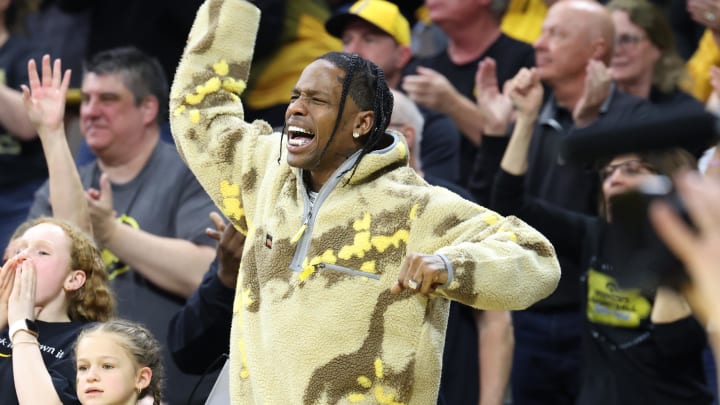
column 314, row 321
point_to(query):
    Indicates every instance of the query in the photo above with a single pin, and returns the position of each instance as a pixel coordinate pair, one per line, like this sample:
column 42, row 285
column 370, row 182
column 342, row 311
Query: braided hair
column 365, row 83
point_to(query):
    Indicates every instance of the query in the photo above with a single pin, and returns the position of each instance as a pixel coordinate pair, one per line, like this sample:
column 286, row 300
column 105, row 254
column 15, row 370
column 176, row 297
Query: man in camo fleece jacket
column 350, row 258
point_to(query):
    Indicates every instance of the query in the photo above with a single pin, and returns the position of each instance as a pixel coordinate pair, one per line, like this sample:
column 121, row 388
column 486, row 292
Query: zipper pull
column 299, row 233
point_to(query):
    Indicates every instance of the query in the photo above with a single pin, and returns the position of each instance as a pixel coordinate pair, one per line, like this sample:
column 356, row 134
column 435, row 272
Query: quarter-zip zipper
column 304, row 235
column 346, row 270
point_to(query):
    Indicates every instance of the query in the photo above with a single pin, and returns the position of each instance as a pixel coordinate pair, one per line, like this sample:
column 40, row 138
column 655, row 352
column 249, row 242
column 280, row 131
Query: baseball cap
column 380, row 13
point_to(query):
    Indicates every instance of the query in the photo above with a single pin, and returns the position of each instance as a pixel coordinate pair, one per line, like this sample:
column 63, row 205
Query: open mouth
column 299, row 137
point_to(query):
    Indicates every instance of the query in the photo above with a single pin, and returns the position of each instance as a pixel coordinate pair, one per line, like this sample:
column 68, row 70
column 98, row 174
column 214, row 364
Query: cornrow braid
column 365, row 83
column 382, row 107
column 349, row 69
column 282, row 135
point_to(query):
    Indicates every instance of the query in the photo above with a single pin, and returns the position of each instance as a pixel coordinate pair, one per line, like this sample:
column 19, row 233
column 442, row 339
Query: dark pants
column 459, row 380
column 547, row 357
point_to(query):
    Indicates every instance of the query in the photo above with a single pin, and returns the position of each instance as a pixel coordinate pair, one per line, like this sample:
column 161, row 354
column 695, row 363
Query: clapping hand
column 100, row 203
column 597, row 89
column 495, row 108
column 430, row 89
column 526, row 93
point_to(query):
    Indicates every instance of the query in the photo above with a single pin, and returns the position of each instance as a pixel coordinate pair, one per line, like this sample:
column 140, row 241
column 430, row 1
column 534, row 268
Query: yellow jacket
column 313, row 319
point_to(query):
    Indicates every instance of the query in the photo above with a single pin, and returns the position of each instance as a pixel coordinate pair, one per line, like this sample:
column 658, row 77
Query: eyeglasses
column 628, row 168
column 628, row 40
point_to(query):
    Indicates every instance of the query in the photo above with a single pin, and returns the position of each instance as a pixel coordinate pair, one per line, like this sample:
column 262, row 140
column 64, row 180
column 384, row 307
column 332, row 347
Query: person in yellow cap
column 377, row 31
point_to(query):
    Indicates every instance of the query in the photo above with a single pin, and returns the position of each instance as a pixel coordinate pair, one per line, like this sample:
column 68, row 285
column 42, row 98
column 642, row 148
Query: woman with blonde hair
column 645, row 61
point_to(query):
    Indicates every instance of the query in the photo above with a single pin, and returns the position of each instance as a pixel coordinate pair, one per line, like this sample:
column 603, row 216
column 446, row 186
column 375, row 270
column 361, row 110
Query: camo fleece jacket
column 313, row 319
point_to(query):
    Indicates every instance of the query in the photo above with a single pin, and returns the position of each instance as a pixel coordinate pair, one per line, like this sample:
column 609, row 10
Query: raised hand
column 495, row 108
column 45, row 98
column 420, row 273
column 595, row 92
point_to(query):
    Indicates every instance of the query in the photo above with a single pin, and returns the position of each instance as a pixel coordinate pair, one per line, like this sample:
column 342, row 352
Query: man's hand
column 45, row 99
column 595, row 92
column 526, row 93
column 421, row 273
column 495, row 108
column 430, row 89
column 100, row 203
column 229, row 249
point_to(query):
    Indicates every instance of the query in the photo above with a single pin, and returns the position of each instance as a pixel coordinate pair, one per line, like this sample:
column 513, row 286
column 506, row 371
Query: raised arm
column 44, row 103
column 526, row 94
column 564, row 228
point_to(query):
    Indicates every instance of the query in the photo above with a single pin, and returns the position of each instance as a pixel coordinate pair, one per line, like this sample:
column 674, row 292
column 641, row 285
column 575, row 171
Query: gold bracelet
column 30, row 342
column 29, row 332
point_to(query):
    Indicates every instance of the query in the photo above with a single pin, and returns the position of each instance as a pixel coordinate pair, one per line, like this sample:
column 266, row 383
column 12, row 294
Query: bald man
column 571, row 54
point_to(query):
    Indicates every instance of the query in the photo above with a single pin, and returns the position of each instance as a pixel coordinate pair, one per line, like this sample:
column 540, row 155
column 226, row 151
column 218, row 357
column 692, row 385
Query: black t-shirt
column 57, row 342
column 630, row 360
column 511, row 55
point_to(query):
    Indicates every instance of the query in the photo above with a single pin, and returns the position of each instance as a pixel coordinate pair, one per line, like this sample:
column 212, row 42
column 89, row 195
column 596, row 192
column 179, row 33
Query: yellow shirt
column 523, row 19
column 304, row 38
column 698, row 67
